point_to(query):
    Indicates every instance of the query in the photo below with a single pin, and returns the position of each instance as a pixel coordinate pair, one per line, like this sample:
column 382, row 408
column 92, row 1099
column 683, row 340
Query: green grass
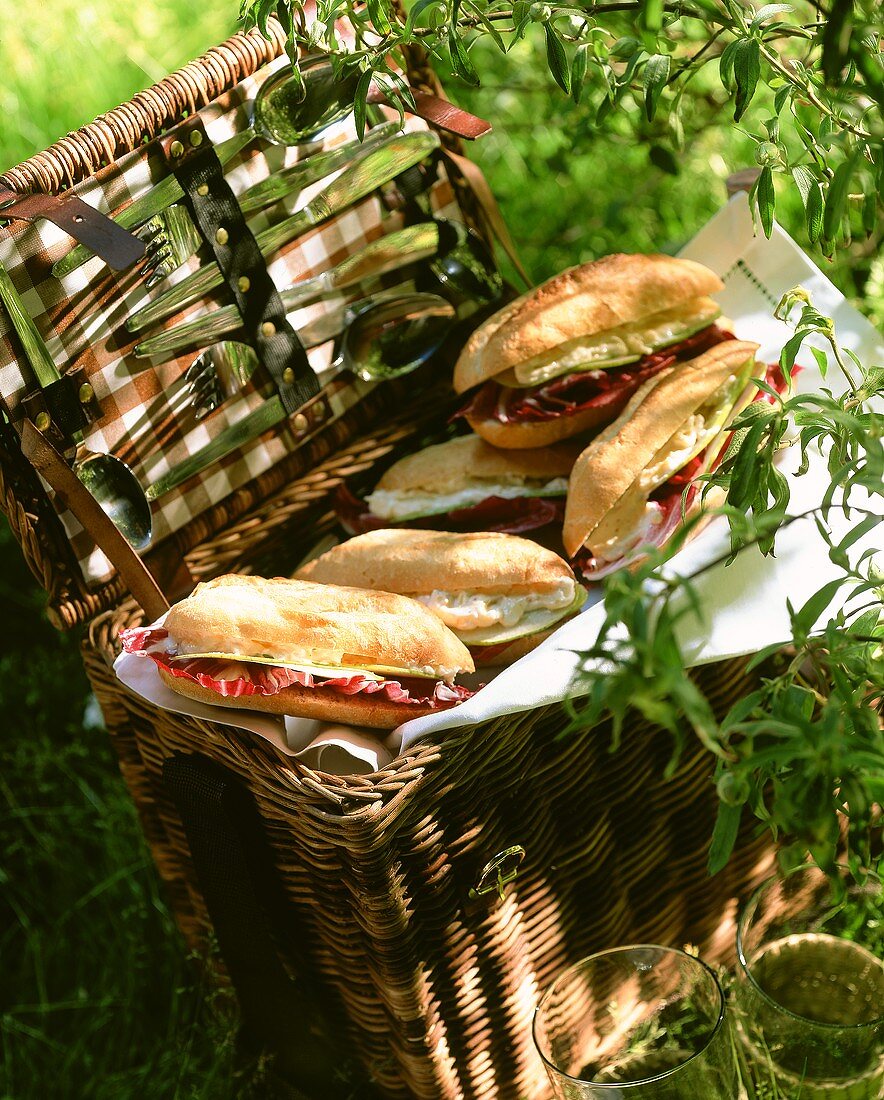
column 97, row 998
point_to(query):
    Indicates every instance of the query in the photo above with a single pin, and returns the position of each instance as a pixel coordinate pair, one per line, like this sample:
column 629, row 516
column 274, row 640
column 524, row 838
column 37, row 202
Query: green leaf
column 724, row 836
column 821, row 360
column 556, row 58
column 360, row 102
column 804, row 180
column 377, row 13
column 741, row 710
column 578, row 70
column 651, row 16
column 415, row 12
column 521, row 19
column 664, row 159
column 781, row 96
column 726, row 63
column 836, row 198
column 747, row 70
column 814, row 213
column 765, row 200
column 460, row 59
column 654, row 77
column 625, row 47
column 806, row 618
column 769, row 10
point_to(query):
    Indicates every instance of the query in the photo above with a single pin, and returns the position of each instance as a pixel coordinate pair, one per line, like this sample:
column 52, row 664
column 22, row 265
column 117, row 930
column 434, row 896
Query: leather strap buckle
column 116, row 246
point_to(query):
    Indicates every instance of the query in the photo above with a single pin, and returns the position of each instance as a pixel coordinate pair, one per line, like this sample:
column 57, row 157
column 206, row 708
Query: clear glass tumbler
column 810, row 987
column 637, row 1023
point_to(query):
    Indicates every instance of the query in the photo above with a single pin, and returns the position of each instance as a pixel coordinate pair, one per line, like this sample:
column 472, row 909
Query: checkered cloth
column 146, row 418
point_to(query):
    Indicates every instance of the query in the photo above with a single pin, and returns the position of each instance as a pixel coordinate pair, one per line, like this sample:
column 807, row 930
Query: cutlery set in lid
column 285, row 270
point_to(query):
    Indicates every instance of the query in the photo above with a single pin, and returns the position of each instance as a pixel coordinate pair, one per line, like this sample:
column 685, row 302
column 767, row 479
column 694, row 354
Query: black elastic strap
column 223, row 226
column 230, row 856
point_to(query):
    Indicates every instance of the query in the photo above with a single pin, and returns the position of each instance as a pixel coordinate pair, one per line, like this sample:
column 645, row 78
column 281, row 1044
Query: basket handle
column 237, row 880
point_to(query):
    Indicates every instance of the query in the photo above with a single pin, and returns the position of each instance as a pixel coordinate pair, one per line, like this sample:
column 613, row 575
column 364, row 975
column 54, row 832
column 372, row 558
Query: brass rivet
column 222, row 236
column 42, row 422
column 268, row 329
column 318, row 412
column 300, row 422
column 243, row 283
column 203, row 189
column 85, row 393
column 196, row 139
column 176, row 149
column 288, row 376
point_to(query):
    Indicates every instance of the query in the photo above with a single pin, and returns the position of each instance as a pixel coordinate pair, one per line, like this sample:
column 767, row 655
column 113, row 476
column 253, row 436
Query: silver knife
column 369, row 172
column 266, row 416
column 278, row 186
column 398, row 249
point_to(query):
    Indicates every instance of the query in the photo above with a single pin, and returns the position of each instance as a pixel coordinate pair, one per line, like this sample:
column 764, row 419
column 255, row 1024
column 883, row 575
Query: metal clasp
column 502, row 869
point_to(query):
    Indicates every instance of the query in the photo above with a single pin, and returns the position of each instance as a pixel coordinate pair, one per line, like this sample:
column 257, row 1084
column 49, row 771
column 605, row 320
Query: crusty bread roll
column 325, row 704
column 467, row 459
column 607, row 472
column 292, row 620
column 476, row 567
column 418, row 562
column 582, row 301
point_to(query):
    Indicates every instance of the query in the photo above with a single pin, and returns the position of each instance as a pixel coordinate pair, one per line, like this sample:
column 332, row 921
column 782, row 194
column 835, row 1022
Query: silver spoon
column 107, row 478
column 412, row 327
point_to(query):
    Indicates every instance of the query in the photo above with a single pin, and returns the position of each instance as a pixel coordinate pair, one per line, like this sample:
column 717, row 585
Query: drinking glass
column 637, row 1023
column 810, row 986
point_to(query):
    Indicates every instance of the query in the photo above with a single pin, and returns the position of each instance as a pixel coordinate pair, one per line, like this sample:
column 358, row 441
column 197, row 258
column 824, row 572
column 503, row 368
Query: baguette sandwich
column 630, row 486
column 465, row 484
column 314, row 650
column 566, row 357
column 499, row 594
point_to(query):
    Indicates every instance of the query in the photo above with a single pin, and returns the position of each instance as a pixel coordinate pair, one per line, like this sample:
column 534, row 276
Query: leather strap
column 235, row 872
column 82, row 505
column 116, row 246
column 477, row 183
column 441, row 113
column 222, row 225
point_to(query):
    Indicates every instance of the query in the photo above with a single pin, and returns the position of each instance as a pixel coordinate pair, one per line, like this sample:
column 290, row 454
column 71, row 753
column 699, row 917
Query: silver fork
column 172, row 238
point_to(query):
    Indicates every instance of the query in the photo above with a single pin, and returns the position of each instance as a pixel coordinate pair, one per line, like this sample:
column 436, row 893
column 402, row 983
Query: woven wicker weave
column 434, row 989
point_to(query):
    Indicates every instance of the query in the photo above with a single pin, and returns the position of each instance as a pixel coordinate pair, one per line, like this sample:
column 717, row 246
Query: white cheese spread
column 618, row 546
column 679, row 451
column 465, row 611
column 400, row 503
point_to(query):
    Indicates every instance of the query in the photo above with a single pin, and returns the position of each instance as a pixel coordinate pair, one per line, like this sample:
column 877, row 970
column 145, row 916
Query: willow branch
column 775, row 63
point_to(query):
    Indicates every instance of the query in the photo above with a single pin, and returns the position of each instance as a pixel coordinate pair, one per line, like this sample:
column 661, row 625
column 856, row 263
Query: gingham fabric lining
column 146, row 419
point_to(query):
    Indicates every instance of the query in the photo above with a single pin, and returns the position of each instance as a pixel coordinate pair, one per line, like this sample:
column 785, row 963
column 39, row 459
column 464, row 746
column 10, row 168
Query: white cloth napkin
column 744, row 603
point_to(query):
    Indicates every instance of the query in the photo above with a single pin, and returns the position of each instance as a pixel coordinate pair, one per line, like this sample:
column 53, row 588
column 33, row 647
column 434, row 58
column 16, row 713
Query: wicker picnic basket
column 405, row 920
